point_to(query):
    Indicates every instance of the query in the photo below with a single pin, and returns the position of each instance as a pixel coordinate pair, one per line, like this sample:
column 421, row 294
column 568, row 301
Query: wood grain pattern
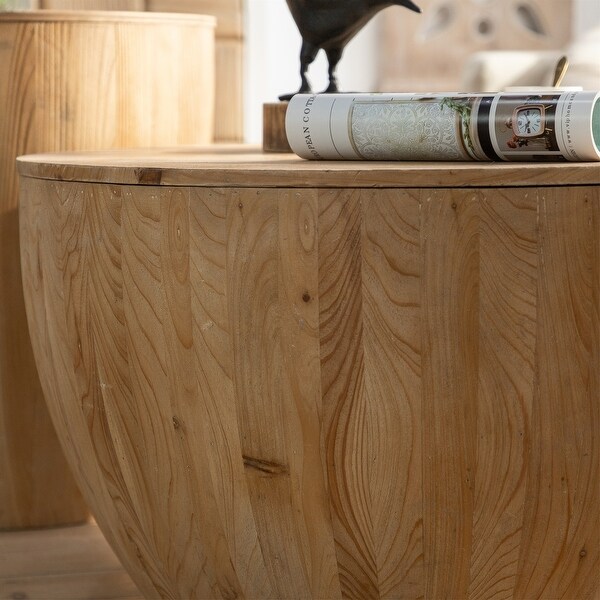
column 563, row 474
column 298, row 216
column 245, row 166
column 253, row 289
column 450, row 367
column 97, row 4
column 391, row 289
column 58, row 92
column 229, row 59
column 345, row 426
column 327, row 393
column 274, row 135
column 229, row 43
column 508, row 239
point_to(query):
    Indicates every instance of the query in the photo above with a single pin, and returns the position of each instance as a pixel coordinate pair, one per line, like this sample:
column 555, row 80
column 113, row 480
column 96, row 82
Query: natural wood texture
column 507, row 352
column 229, row 42
column 245, row 166
column 450, row 302
column 91, row 4
column 62, row 564
column 559, row 528
column 62, row 87
column 279, row 392
column 427, row 52
column 229, row 59
column 274, row 136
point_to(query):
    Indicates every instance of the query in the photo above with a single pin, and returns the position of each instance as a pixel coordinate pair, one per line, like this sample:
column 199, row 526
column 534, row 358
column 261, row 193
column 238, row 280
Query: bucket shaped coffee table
column 282, row 379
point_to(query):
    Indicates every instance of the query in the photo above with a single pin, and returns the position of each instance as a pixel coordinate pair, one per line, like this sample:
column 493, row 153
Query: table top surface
column 96, row 16
column 246, row 166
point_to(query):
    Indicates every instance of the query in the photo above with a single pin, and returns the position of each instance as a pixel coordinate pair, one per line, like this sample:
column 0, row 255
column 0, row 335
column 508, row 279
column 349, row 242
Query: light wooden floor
column 71, row 563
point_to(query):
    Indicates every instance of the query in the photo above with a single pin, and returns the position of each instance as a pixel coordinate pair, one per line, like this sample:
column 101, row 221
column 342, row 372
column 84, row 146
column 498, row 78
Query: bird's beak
column 409, row 4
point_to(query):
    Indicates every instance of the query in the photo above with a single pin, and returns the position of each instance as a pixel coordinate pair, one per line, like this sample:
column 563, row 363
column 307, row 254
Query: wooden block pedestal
column 274, row 136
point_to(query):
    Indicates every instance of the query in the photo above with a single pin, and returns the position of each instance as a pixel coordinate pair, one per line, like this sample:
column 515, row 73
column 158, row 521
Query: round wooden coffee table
column 288, row 379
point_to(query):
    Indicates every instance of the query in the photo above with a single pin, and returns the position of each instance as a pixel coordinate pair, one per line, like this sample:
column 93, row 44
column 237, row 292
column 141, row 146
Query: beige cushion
column 493, row 71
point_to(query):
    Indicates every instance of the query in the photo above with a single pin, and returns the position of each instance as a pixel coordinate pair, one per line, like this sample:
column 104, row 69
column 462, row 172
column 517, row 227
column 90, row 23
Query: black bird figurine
column 330, row 25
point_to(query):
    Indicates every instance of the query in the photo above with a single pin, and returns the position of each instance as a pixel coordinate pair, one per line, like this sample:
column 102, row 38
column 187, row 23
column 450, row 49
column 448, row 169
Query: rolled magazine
column 537, row 126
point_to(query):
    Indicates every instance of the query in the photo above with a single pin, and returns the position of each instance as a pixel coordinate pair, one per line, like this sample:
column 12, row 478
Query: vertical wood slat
column 253, row 304
column 213, row 343
column 208, row 550
column 391, row 292
column 450, row 366
column 271, row 275
column 507, row 346
column 301, row 393
column 345, row 425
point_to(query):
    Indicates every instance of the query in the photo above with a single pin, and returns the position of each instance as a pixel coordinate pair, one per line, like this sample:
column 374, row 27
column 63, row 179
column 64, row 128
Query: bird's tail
column 408, row 4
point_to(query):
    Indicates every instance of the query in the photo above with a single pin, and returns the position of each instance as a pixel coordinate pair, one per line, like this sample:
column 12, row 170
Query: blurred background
column 403, row 51
column 454, row 45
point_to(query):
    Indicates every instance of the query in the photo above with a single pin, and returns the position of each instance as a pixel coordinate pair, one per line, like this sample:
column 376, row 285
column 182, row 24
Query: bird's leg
column 333, row 58
column 308, row 53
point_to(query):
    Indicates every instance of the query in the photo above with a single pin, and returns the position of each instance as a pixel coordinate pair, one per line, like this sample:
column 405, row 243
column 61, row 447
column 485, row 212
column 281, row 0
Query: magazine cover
column 454, row 127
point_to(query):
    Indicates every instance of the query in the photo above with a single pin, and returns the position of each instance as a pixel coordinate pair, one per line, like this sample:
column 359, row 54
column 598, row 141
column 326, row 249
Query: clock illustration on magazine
column 529, row 120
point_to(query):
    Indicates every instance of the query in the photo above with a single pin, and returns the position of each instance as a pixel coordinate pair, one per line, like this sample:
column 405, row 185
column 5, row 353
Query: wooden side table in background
column 229, row 40
column 75, row 80
column 229, row 59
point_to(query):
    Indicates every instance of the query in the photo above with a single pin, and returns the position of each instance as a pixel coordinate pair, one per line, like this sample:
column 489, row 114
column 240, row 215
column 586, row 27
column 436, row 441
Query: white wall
column 272, row 61
column 587, row 16
column 273, row 48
